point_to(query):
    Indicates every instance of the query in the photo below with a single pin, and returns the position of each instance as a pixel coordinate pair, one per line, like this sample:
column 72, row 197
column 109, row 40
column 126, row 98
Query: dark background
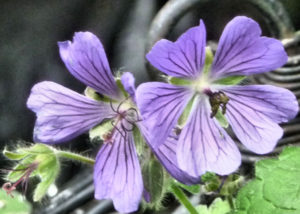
column 30, row 30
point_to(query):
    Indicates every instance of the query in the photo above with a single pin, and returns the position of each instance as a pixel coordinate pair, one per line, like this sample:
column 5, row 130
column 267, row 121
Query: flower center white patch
column 202, row 84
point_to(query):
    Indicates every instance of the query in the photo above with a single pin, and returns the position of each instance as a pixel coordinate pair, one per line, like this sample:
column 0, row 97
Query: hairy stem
column 179, row 194
column 74, row 156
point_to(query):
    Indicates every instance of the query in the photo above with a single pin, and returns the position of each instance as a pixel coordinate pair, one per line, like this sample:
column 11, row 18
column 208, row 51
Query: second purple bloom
column 252, row 111
column 63, row 114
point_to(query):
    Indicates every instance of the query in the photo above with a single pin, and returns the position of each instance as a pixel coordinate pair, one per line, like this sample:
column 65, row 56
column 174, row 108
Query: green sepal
column 13, row 155
column 98, row 131
column 221, row 119
column 209, row 57
column 18, row 170
column 120, row 86
column 140, row 143
column 178, row 81
column 206, row 70
column 47, row 167
column 232, row 80
column 14, row 205
column 36, row 149
column 231, row 185
column 93, row 94
column 154, row 182
column 47, row 171
column 218, row 206
column 212, row 181
column 194, row 189
column 185, row 114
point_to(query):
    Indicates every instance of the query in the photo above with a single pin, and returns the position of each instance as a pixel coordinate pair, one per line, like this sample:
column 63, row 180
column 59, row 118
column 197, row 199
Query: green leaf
column 194, row 189
column 275, row 190
column 15, row 205
column 217, row 207
column 221, row 119
column 233, row 80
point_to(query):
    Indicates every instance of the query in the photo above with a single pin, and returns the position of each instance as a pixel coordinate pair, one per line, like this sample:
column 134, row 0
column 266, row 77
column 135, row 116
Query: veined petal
column 117, row 173
column 63, row 114
column 254, row 111
column 166, row 154
column 128, row 83
column 278, row 104
column 204, row 146
column 242, row 50
column 183, row 58
column 161, row 105
column 85, row 58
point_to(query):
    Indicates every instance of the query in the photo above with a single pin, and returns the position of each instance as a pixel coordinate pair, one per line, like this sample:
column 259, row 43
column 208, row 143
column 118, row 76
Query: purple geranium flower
column 253, row 111
column 63, row 114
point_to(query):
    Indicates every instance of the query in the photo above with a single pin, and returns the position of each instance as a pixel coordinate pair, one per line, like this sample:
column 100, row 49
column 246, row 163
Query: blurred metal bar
column 77, row 192
column 275, row 16
column 103, row 207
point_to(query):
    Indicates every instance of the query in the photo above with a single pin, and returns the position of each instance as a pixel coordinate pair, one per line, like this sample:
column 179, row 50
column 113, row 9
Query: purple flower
column 253, row 111
column 63, row 114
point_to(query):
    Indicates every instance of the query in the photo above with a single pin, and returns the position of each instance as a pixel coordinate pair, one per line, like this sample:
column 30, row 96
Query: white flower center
column 202, row 84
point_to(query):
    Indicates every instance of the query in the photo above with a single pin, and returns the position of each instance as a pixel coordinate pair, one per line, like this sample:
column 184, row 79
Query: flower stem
column 74, row 156
column 179, row 194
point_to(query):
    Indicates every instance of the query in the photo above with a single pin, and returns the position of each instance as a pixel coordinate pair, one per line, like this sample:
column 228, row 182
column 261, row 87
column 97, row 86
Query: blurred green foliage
column 15, row 205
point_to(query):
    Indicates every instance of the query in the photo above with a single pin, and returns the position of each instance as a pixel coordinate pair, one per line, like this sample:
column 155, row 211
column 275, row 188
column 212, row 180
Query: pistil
column 9, row 187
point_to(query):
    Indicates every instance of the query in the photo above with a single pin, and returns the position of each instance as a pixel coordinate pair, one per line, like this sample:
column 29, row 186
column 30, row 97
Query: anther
column 217, row 100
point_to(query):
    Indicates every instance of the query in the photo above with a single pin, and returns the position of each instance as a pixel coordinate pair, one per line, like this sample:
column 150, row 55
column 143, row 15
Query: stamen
column 129, row 116
column 177, row 131
column 107, row 137
column 217, row 100
column 112, row 107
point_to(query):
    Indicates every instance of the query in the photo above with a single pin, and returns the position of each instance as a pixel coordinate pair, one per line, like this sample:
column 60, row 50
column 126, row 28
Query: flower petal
column 128, row 82
column 117, row 173
column 86, row 60
column 183, row 58
column 242, row 50
column 254, row 111
column 278, row 104
column 166, row 154
column 63, row 114
column 161, row 105
column 204, row 146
